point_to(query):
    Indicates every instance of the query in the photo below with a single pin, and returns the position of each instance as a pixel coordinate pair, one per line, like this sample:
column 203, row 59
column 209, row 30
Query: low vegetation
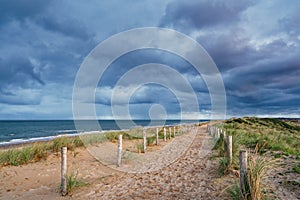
column 73, row 182
column 36, row 151
column 265, row 133
column 259, row 135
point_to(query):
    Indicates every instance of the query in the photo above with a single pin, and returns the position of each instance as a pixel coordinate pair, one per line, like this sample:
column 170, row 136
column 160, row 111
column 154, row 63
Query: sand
column 180, row 169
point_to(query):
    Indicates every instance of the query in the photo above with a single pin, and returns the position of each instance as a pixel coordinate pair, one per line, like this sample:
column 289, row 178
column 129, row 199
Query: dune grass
column 259, row 136
column 73, row 182
column 266, row 133
column 257, row 168
column 24, row 155
column 37, row 151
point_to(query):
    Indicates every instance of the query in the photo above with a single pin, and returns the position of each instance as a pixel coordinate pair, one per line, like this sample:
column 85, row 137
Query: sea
column 23, row 131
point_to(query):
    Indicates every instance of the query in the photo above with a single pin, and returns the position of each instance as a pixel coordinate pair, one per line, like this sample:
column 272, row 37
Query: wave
column 46, row 138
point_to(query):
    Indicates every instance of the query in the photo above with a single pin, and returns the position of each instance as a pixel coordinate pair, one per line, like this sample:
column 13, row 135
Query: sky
column 254, row 44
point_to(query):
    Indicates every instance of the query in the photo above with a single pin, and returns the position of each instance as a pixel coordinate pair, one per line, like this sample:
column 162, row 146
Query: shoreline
column 20, row 142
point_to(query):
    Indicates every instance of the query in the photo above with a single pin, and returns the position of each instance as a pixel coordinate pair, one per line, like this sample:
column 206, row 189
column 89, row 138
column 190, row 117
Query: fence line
column 243, row 156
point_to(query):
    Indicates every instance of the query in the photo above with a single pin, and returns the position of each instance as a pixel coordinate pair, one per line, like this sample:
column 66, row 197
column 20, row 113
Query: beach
column 184, row 167
column 189, row 176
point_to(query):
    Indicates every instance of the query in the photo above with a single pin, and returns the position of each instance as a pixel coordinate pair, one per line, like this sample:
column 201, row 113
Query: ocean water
column 12, row 132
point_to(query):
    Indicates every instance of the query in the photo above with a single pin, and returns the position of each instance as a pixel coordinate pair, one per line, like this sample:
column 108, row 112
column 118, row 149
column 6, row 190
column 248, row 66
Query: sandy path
column 150, row 161
column 191, row 176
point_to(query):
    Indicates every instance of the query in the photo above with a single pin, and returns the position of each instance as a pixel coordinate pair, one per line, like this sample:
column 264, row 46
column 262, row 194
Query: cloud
column 19, row 96
column 255, row 44
column 20, row 10
column 259, row 66
column 290, row 24
column 19, row 71
column 69, row 27
column 188, row 15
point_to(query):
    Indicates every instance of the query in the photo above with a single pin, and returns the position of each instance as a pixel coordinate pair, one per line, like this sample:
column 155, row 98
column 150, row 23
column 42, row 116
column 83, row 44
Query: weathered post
column 224, row 134
column 119, row 151
column 170, row 133
column 63, row 171
column 156, row 141
column 144, row 141
column 243, row 171
column 174, row 131
column 230, row 148
column 165, row 134
column 217, row 133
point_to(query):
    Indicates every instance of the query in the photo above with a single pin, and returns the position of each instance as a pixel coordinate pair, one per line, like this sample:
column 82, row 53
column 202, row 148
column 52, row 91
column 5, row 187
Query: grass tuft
column 296, row 169
column 73, row 183
column 224, row 166
column 235, row 192
column 257, row 168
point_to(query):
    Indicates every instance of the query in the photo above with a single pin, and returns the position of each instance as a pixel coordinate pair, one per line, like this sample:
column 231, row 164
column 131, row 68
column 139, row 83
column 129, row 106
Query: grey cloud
column 19, row 71
column 290, row 24
column 229, row 49
column 17, row 76
column 21, row 10
column 199, row 14
column 66, row 26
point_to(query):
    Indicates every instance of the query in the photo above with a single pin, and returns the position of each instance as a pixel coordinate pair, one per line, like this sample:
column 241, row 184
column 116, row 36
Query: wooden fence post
column 243, row 171
column 119, row 151
column 63, row 171
column 217, row 133
column 174, row 131
column 144, row 141
column 165, row 134
column 230, row 148
column 156, row 141
column 170, row 133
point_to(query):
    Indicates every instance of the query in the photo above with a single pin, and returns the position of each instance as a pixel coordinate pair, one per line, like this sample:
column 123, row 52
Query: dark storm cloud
column 265, row 85
column 19, row 71
column 139, row 57
column 228, row 50
column 255, row 45
column 201, row 14
column 260, row 74
column 18, row 74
